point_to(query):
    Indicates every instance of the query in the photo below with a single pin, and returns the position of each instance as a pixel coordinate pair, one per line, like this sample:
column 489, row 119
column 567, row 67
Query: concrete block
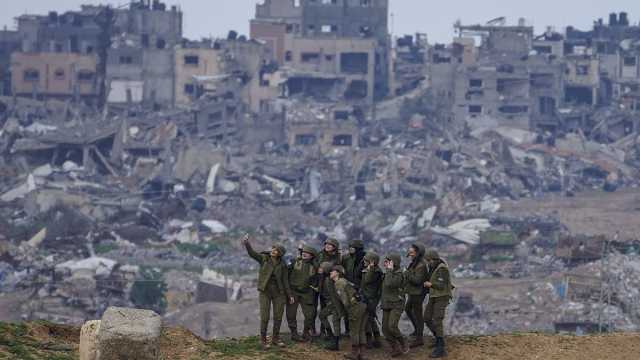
column 89, row 340
column 129, row 334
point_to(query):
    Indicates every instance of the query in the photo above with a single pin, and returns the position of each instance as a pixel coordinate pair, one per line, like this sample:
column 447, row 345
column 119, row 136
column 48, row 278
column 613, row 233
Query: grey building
column 9, row 42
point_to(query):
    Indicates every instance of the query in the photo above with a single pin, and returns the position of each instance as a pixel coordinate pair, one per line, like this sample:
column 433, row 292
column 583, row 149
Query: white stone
column 88, row 340
column 129, row 334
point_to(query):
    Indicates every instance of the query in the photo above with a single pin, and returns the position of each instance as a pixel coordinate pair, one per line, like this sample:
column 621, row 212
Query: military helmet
column 358, row 244
column 395, row 258
column 281, row 249
column 309, row 250
column 372, row 257
column 333, row 242
column 339, row 269
column 432, row 255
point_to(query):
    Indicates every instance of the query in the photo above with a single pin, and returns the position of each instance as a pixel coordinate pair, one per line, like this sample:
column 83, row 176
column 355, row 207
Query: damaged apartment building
column 124, row 54
column 501, row 79
column 495, row 74
column 336, row 53
column 9, row 42
column 336, row 50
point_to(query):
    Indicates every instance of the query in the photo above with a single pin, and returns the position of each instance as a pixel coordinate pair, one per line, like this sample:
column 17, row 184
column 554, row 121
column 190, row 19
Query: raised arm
column 247, row 244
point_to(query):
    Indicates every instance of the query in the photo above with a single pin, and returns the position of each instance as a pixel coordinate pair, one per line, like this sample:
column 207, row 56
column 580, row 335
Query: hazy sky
column 436, row 18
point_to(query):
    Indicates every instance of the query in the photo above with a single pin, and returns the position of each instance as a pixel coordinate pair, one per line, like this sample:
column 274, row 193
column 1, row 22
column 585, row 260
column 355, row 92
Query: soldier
column 353, row 266
column 353, row 262
column 440, row 293
column 393, row 305
column 415, row 276
column 371, row 288
column 330, row 252
column 356, row 312
column 302, row 280
column 328, row 302
column 273, row 287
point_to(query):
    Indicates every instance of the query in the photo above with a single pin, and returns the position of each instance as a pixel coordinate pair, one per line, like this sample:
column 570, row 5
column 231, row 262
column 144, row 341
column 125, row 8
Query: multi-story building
column 503, row 80
column 330, row 28
column 142, row 51
column 54, row 75
column 133, row 46
column 9, row 42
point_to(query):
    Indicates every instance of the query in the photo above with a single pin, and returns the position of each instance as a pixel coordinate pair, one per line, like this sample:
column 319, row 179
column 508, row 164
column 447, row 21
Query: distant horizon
column 406, row 16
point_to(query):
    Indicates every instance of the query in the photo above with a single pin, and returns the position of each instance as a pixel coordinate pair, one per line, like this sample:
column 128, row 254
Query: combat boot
column 354, row 354
column 404, row 345
column 309, row 335
column 439, row 350
column 362, row 357
column 395, row 349
column 417, row 342
column 369, row 341
column 328, row 336
column 275, row 341
column 263, row 342
column 377, row 343
column 294, row 336
column 334, row 344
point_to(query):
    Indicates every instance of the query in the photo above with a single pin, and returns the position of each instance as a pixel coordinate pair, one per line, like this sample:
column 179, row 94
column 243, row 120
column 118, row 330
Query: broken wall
column 190, row 63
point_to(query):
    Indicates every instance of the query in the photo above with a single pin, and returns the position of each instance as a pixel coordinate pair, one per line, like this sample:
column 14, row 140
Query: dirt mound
column 37, row 341
column 40, row 340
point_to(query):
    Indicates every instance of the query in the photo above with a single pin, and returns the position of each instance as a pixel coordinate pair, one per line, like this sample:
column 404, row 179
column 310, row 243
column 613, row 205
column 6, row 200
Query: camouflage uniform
column 393, row 305
column 303, row 279
column 333, row 258
column 356, row 313
column 440, row 295
column 415, row 276
column 371, row 287
column 329, row 301
column 353, row 263
column 273, row 287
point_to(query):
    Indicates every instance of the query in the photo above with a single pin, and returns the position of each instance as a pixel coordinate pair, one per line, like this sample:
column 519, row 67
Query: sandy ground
column 588, row 213
column 516, row 347
column 180, row 344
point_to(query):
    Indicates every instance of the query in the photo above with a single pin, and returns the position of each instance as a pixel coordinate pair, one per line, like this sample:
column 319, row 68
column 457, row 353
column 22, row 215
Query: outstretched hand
column 245, row 240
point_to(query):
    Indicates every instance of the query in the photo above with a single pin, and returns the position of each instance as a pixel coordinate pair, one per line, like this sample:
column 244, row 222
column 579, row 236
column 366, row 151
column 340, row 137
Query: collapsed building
column 341, row 45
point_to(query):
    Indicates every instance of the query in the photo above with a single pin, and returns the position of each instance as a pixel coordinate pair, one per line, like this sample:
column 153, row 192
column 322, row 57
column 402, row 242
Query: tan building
column 344, row 68
column 192, row 63
column 582, row 79
column 54, row 75
column 314, row 129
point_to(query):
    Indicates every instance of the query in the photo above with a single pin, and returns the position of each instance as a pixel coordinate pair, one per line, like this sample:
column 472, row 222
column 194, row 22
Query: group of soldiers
column 349, row 288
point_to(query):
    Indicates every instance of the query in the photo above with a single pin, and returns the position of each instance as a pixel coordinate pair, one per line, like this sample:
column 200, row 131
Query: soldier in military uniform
column 329, row 308
column 356, row 312
column 273, row 288
column 353, row 262
column 371, row 288
column 393, row 300
column 440, row 293
column 415, row 276
column 303, row 279
column 353, row 265
column 330, row 252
